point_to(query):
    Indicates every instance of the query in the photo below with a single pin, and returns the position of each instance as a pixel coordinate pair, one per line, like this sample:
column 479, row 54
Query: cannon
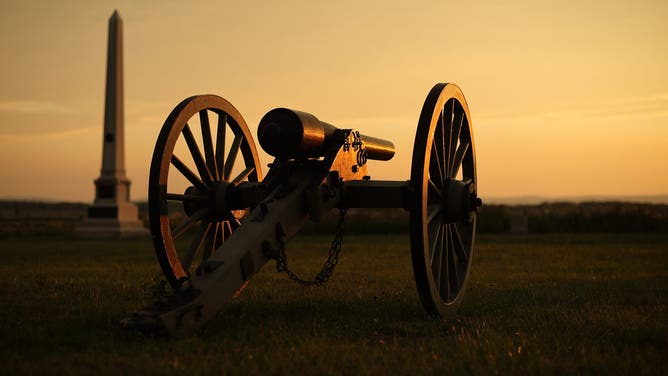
column 238, row 221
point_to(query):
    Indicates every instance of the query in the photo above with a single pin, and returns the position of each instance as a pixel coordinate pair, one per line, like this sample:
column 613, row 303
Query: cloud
column 654, row 106
column 653, row 98
column 55, row 135
column 33, row 107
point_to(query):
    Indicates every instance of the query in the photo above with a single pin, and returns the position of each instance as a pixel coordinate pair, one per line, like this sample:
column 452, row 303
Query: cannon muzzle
column 286, row 133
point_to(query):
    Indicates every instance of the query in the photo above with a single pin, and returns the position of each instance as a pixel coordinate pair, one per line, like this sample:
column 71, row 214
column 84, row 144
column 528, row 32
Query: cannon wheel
column 442, row 217
column 201, row 202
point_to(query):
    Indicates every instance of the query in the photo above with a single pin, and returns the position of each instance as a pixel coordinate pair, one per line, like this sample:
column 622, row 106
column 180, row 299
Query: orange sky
column 567, row 97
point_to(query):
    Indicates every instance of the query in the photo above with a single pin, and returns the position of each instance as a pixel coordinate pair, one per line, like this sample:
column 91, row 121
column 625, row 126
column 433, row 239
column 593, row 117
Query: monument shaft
column 112, row 214
column 113, row 160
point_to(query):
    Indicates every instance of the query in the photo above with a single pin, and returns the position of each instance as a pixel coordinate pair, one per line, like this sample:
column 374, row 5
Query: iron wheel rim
column 212, row 168
column 442, row 248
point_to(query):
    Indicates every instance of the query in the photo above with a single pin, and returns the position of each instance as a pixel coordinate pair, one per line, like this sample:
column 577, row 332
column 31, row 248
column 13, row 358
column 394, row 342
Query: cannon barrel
column 289, row 133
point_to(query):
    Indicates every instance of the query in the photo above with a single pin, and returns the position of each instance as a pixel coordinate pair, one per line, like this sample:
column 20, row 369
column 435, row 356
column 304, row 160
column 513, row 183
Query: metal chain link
column 327, row 267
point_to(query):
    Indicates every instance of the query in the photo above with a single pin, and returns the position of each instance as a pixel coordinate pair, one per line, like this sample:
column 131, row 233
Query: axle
column 363, row 193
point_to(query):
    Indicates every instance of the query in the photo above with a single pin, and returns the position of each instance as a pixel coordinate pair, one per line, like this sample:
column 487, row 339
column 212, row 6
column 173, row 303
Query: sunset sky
column 567, row 98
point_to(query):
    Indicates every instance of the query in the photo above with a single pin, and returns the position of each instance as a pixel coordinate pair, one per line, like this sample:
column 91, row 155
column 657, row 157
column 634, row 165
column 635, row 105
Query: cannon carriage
column 240, row 220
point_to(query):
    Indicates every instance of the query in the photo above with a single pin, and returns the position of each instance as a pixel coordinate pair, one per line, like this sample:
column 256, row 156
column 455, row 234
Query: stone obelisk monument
column 112, row 214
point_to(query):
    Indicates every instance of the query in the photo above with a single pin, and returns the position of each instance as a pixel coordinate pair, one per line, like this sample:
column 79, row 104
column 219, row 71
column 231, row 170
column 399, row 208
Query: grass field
column 536, row 304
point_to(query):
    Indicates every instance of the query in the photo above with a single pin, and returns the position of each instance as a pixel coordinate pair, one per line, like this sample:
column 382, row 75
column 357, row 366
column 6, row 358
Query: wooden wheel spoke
column 180, row 197
column 438, row 278
column 433, row 230
column 203, row 170
column 243, row 175
column 188, row 222
column 188, row 258
column 454, row 262
column 232, row 156
column 220, row 144
column 220, row 237
column 439, row 145
column 185, row 171
column 210, row 242
column 445, row 137
column 459, row 157
column 434, row 189
column 446, row 123
column 208, row 143
column 227, row 229
column 459, row 245
column 433, row 210
column 457, row 120
column 434, row 246
column 435, row 170
column 223, row 231
column 445, row 264
column 235, row 224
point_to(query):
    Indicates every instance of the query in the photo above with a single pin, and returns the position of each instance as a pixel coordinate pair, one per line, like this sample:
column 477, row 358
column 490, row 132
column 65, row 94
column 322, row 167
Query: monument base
column 111, row 221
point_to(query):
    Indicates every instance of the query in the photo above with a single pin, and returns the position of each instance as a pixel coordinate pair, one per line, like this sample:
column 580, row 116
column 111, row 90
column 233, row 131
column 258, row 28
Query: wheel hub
column 192, row 206
column 220, row 195
column 460, row 201
column 216, row 201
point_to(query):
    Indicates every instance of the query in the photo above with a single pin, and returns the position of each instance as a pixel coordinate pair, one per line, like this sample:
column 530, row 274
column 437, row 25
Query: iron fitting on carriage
column 286, row 133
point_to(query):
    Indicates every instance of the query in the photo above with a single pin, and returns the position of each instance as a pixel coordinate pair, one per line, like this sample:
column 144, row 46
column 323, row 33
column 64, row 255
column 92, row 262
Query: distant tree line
column 583, row 217
column 27, row 218
column 618, row 217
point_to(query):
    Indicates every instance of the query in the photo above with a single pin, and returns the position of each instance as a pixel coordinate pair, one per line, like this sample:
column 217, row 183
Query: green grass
column 536, row 304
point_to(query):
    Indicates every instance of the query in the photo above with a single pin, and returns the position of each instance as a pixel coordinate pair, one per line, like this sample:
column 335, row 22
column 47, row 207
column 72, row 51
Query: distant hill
column 30, row 218
column 534, row 200
column 496, row 200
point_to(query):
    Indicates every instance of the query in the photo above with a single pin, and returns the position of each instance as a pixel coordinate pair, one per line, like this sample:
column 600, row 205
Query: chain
column 327, row 267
